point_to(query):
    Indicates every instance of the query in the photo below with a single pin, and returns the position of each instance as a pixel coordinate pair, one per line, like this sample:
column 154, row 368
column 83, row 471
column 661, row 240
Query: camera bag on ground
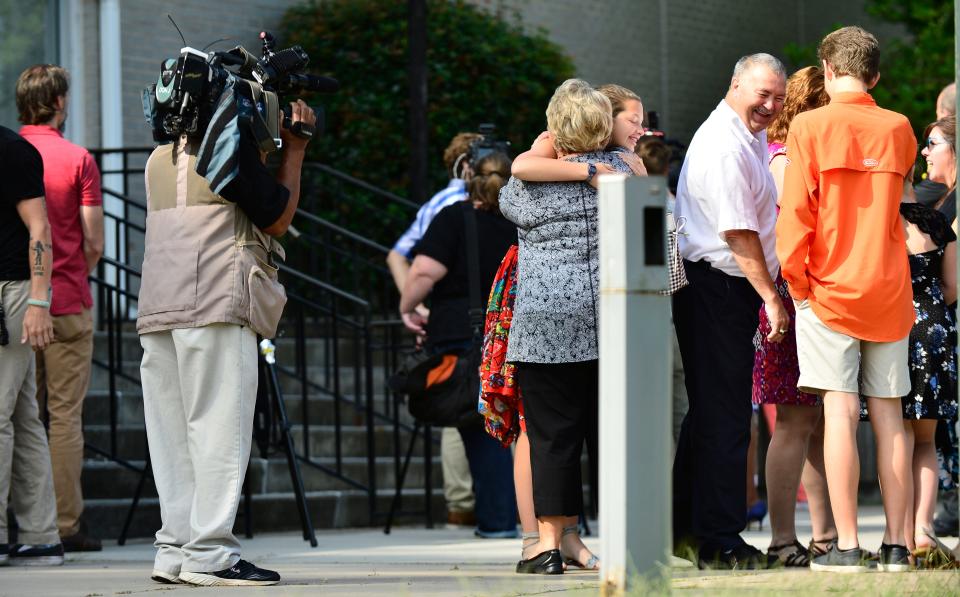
column 442, row 388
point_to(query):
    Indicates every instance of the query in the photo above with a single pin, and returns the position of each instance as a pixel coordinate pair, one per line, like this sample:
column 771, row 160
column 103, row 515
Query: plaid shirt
column 455, row 191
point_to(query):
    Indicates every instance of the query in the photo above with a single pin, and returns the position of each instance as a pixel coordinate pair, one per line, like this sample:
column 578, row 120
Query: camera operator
column 208, row 288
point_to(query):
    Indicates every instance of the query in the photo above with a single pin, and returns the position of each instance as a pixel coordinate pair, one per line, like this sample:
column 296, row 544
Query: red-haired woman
column 796, row 448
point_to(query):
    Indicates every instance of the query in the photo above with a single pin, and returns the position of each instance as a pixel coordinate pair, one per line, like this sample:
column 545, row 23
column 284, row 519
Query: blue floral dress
column 933, row 339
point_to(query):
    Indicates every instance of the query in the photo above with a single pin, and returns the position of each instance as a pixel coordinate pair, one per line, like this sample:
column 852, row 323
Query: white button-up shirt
column 725, row 184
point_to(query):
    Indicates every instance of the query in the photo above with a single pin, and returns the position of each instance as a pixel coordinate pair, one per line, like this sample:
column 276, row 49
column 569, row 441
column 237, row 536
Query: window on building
column 29, row 33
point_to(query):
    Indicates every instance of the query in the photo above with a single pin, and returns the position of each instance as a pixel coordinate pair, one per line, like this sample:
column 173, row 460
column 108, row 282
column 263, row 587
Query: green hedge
column 483, row 67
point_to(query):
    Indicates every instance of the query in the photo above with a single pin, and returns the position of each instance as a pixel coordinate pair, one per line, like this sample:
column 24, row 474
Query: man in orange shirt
column 841, row 249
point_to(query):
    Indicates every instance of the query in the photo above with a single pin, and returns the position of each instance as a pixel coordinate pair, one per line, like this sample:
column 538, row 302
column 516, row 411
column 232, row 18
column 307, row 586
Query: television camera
column 187, row 95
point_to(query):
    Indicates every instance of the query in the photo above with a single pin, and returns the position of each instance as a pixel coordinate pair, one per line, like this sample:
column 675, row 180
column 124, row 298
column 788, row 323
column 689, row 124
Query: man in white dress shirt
column 728, row 198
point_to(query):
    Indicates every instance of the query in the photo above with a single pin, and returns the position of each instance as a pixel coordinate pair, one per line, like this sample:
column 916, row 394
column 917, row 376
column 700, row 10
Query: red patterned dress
column 499, row 401
column 775, row 368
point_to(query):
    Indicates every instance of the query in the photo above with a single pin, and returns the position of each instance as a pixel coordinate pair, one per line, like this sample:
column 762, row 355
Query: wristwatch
column 591, row 172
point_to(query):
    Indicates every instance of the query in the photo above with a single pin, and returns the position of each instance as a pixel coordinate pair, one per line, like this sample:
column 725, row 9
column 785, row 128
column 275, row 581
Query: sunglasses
column 933, row 142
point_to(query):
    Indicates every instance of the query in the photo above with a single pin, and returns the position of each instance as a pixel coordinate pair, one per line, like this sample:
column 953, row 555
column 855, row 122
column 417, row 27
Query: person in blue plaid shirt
column 455, row 160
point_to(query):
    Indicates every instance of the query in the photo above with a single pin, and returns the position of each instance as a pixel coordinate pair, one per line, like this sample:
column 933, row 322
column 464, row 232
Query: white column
column 111, row 127
column 72, row 41
column 111, row 77
column 635, row 382
column 664, row 107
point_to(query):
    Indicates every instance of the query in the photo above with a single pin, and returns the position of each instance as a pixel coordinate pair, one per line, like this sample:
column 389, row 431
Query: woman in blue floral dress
column 933, row 354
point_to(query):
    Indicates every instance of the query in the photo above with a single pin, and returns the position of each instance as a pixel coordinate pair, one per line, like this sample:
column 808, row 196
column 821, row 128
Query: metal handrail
column 350, row 333
column 119, row 219
column 323, row 285
column 361, row 184
column 124, row 198
column 343, row 231
column 128, row 150
column 112, row 319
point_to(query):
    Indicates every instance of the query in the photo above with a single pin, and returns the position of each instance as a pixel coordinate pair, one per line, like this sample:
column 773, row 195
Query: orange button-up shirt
column 839, row 238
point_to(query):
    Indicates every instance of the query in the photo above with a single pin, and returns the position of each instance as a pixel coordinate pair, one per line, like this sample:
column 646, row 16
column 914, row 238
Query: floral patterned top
column 558, row 272
column 776, row 370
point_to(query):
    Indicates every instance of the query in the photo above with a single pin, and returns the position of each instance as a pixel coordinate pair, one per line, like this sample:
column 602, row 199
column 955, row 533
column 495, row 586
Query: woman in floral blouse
column 553, row 338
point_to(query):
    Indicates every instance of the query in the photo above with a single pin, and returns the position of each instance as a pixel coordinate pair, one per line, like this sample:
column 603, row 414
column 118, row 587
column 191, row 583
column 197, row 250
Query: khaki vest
column 204, row 262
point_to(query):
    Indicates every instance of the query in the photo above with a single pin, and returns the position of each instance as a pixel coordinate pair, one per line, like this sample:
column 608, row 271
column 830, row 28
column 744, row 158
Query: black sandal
column 815, row 549
column 799, row 557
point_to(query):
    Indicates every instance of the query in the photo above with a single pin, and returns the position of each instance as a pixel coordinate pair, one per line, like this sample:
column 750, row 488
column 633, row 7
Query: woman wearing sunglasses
column 933, row 341
column 940, row 152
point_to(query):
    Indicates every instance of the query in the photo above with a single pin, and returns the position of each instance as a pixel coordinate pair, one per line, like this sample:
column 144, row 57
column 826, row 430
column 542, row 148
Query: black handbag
column 443, row 388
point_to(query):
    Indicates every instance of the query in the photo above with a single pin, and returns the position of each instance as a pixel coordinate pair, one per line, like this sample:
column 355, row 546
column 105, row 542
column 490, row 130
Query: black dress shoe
column 548, row 562
column 741, row 557
column 80, row 541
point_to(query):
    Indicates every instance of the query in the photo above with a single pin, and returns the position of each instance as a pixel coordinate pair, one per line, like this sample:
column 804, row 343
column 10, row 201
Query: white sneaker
column 165, row 578
column 243, row 573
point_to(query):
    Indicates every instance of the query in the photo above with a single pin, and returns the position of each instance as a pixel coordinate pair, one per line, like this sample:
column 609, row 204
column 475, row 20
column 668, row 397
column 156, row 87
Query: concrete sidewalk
column 414, row 561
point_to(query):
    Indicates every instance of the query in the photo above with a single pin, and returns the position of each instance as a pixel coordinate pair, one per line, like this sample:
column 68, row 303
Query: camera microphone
column 315, row 83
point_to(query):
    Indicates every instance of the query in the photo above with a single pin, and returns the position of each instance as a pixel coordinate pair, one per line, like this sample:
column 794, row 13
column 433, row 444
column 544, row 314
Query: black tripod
column 262, row 430
column 428, row 461
column 269, row 368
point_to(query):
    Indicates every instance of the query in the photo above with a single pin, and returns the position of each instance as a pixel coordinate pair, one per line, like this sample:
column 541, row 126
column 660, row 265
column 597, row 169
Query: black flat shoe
column 548, row 562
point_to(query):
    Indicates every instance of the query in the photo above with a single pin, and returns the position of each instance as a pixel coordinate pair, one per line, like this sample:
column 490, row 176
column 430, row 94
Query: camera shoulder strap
column 473, row 270
column 259, row 126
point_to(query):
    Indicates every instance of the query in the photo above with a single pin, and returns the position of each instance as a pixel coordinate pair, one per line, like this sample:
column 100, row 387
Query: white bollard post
column 635, row 385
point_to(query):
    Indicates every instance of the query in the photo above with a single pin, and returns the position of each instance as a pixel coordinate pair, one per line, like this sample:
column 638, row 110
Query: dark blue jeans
column 492, row 468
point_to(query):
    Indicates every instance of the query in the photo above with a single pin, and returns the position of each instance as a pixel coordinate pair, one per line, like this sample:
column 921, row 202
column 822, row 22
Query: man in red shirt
column 75, row 210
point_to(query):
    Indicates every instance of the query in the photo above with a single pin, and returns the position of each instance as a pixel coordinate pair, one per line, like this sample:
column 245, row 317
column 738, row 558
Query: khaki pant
column 457, row 481
column 63, row 375
column 24, row 455
column 199, row 392
column 832, row 361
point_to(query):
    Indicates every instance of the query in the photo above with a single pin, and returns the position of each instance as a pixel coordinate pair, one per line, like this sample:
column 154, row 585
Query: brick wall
column 147, row 38
column 678, row 55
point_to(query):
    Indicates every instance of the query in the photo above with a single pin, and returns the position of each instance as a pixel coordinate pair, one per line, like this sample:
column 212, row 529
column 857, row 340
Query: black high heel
column 756, row 513
column 548, row 562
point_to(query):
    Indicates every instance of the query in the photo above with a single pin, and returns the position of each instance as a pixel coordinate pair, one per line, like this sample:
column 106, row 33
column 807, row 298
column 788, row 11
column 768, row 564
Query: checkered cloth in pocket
column 677, row 275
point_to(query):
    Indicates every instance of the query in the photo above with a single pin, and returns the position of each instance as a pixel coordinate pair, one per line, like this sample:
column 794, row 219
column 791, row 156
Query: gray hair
column 748, row 62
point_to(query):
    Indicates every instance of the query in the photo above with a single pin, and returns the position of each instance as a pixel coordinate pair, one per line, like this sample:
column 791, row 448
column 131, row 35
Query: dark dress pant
column 560, row 407
column 716, row 317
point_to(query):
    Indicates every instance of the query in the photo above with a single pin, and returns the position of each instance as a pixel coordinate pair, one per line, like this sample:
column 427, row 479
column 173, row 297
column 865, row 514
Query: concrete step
column 100, row 377
column 97, row 405
column 132, row 440
column 103, row 479
column 319, row 378
column 320, row 409
column 273, row 512
column 319, row 347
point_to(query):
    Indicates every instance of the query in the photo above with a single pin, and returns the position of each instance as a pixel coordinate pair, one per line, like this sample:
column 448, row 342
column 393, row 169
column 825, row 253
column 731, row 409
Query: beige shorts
column 831, row 361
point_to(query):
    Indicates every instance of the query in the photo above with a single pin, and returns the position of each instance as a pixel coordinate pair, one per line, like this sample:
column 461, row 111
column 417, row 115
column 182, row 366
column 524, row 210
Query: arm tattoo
column 38, row 250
